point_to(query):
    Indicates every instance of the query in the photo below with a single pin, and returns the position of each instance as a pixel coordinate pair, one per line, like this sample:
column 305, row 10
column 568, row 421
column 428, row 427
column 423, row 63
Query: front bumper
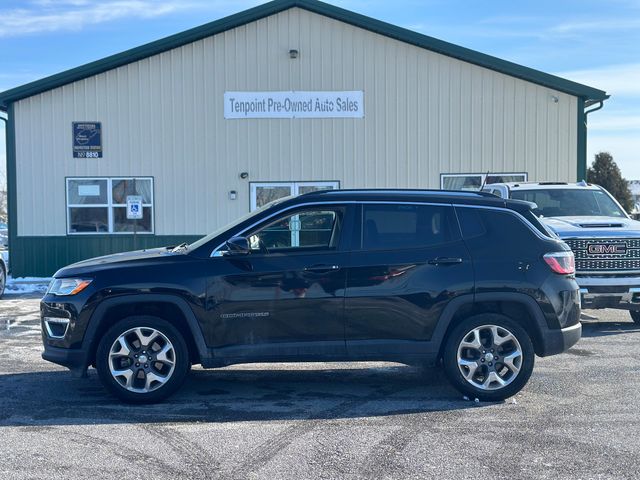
column 74, row 359
column 610, row 292
column 63, row 325
column 558, row 341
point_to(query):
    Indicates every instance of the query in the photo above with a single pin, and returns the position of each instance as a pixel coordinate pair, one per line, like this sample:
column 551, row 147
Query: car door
column 286, row 297
column 410, row 263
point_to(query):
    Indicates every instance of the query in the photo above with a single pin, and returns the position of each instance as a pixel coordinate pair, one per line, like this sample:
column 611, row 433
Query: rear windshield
column 566, row 202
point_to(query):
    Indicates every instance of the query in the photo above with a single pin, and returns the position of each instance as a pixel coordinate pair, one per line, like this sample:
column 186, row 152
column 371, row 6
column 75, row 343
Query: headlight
column 68, row 286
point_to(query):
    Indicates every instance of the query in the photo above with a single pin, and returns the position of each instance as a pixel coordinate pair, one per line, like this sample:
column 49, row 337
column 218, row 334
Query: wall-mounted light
column 554, row 99
column 233, row 195
column 293, row 53
column 244, row 175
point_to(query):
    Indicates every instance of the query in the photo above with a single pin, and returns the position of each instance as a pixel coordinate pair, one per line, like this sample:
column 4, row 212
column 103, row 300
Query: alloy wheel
column 489, row 357
column 142, row 359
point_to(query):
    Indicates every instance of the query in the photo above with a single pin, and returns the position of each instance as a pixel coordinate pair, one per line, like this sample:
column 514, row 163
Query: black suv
column 410, row 276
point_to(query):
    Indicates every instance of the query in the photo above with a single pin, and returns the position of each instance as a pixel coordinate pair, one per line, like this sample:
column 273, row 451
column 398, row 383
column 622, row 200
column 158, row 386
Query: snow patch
column 22, row 285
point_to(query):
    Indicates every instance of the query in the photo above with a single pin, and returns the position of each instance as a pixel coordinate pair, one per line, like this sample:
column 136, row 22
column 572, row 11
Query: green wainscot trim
column 43, row 256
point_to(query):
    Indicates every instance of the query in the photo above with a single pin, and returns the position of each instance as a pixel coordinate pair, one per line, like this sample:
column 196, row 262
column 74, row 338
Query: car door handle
column 321, row 268
column 444, row 261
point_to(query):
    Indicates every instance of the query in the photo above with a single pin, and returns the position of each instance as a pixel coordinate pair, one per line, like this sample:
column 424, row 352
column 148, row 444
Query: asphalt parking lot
column 577, row 418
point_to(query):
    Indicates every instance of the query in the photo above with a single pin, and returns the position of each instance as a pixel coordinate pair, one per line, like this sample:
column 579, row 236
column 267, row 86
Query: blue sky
column 590, row 41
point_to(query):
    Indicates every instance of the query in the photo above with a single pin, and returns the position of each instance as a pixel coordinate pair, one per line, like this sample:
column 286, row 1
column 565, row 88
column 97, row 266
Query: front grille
column 594, row 262
column 632, row 243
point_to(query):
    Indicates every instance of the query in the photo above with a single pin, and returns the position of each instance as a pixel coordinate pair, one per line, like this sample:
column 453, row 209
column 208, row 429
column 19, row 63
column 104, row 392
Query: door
column 285, row 299
column 410, row 264
column 265, row 192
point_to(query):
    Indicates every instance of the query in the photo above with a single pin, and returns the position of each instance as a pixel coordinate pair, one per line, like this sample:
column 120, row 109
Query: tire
column 635, row 316
column 485, row 382
column 3, row 279
column 142, row 338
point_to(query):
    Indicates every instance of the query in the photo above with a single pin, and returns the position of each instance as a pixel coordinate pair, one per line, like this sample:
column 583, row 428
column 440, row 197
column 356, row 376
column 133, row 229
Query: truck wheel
column 635, row 316
column 142, row 359
column 488, row 357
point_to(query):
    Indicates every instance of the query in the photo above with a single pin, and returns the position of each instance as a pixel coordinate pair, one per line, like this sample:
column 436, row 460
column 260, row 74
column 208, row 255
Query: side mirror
column 238, row 246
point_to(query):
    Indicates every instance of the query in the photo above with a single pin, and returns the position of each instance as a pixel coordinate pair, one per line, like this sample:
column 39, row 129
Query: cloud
column 51, row 16
column 618, row 121
column 592, row 26
column 615, row 79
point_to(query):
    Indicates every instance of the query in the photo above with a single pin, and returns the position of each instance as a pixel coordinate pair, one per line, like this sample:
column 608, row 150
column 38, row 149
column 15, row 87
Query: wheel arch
column 171, row 308
column 518, row 307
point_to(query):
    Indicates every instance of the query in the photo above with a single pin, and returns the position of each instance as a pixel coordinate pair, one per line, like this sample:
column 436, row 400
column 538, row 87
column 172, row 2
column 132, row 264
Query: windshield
column 238, row 221
column 566, row 202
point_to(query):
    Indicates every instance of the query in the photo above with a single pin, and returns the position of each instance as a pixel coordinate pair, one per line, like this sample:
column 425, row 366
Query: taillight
column 561, row 262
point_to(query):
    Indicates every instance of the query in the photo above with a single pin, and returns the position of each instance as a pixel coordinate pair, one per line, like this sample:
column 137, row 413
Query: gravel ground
column 576, row 419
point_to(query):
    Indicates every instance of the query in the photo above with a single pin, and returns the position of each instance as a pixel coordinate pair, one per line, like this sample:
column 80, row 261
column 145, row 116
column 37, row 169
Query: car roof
column 413, row 195
column 545, row 185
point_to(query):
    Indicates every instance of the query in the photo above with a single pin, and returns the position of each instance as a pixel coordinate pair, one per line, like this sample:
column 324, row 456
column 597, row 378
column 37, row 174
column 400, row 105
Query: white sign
column 134, row 207
column 89, row 190
column 294, row 104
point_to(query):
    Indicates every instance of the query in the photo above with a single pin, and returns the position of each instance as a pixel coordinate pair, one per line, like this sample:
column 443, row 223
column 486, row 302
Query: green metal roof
column 276, row 6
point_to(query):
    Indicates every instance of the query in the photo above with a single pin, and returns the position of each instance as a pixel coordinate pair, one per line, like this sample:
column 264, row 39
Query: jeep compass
column 419, row 277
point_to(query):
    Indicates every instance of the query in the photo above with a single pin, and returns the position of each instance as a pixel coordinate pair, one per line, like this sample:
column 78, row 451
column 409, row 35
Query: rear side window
column 529, row 215
column 493, row 227
column 387, row 227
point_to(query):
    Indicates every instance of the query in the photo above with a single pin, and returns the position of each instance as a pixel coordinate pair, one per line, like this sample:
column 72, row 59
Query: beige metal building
column 283, row 98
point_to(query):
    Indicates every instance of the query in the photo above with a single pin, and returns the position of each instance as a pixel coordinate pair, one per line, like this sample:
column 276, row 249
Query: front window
column 99, row 205
column 307, row 229
column 566, row 202
column 473, row 181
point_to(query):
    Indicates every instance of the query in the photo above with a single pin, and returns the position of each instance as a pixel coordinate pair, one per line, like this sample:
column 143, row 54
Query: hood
column 593, row 227
column 116, row 260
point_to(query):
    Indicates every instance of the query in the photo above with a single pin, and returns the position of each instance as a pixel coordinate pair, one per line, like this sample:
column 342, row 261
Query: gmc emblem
column 607, row 248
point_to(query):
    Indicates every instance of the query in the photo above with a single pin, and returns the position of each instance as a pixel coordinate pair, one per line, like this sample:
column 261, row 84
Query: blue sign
column 87, row 140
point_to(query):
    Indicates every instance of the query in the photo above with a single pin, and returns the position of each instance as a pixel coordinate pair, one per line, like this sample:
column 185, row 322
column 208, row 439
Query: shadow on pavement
column 232, row 395
column 602, row 328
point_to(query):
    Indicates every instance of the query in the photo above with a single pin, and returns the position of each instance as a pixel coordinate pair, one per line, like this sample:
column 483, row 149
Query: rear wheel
column 635, row 316
column 489, row 357
column 142, row 359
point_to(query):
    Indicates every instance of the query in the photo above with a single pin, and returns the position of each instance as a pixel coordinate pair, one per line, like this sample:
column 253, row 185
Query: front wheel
column 635, row 316
column 142, row 359
column 489, row 357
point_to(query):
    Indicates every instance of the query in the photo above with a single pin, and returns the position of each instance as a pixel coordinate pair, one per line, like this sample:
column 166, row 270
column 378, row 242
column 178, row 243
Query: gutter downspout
column 582, row 134
column 600, row 105
column 6, row 147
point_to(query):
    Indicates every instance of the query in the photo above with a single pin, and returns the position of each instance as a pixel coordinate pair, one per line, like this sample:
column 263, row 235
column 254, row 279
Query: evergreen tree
column 605, row 172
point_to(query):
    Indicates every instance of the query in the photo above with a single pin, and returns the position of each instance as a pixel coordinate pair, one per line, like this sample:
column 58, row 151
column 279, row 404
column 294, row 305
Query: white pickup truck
column 604, row 239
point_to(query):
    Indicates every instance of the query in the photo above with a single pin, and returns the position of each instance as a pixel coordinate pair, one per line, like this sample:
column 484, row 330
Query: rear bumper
column 558, row 341
column 610, row 292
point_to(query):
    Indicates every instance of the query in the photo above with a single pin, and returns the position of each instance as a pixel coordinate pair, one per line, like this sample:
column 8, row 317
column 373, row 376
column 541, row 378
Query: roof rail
column 402, row 190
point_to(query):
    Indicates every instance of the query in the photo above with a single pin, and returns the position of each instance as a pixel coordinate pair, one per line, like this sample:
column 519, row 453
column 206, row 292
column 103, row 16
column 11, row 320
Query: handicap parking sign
column 134, row 207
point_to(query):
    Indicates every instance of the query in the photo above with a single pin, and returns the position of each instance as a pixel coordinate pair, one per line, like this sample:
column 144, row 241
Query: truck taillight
column 561, row 262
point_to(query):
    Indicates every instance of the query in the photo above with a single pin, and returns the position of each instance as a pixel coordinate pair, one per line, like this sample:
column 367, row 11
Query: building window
column 99, row 205
column 265, row 192
column 473, row 181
